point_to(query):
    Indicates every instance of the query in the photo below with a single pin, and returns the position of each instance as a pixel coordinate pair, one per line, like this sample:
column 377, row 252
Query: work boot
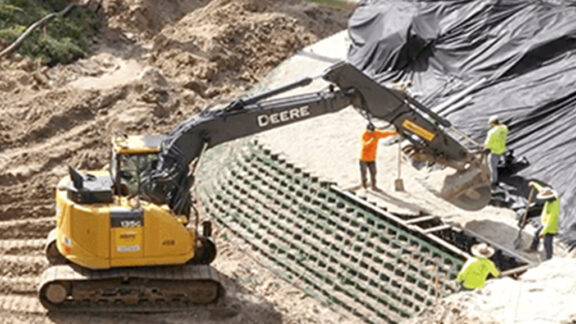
column 530, row 250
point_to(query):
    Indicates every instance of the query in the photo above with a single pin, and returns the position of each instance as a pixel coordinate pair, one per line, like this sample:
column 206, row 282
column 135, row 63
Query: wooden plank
column 437, row 228
column 421, row 219
column 402, row 222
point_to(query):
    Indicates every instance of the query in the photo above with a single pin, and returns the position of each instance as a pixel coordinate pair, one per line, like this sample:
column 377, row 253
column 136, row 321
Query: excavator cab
column 103, row 222
column 113, row 247
column 131, row 155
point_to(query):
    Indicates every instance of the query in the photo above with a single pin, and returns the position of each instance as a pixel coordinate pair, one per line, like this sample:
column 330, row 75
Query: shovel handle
column 530, row 199
column 399, row 161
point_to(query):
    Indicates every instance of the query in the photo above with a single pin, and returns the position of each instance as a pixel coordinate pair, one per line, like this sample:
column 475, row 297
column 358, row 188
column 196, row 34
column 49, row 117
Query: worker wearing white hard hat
column 477, row 268
column 549, row 219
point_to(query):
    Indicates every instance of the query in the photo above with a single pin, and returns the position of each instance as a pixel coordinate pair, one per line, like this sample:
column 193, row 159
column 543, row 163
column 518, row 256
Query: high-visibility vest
column 550, row 214
column 474, row 272
column 370, row 144
column 496, row 139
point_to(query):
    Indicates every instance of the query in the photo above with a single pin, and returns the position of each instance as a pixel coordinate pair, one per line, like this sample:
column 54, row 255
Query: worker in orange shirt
column 370, row 140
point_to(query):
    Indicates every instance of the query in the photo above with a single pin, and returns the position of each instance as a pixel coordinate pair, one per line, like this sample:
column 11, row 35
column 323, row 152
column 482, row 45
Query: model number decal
column 125, row 218
column 130, row 223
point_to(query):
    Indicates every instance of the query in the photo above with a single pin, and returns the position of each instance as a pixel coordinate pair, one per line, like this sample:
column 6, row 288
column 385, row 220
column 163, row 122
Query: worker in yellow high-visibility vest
column 476, row 269
column 496, row 143
column 548, row 219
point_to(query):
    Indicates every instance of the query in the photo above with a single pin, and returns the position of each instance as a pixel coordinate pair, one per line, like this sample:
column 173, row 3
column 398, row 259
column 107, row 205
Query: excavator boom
column 427, row 132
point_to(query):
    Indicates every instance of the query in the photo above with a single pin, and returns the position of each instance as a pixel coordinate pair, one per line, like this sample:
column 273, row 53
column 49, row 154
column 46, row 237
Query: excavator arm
column 432, row 138
column 169, row 181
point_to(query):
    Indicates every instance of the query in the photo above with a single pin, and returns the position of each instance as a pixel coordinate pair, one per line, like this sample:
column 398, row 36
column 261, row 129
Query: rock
column 153, row 77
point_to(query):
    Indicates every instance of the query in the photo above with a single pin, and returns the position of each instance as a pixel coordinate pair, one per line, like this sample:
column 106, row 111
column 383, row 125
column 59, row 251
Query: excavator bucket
column 432, row 138
column 469, row 189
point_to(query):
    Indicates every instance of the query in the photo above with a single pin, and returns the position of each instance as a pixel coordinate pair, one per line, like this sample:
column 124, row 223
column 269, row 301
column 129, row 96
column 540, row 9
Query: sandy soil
column 329, row 146
column 541, row 295
column 154, row 64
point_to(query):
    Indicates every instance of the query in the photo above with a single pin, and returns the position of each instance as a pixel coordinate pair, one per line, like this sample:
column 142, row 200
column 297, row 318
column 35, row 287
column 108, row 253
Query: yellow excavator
column 124, row 240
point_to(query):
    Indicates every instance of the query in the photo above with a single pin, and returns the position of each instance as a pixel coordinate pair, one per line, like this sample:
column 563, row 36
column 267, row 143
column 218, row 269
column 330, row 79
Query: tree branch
column 42, row 22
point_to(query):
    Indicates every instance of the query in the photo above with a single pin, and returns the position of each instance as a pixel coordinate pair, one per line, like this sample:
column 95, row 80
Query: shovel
column 518, row 240
column 399, row 183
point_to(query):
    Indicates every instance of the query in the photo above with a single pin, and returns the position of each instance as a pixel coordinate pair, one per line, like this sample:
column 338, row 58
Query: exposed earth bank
column 541, row 295
column 153, row 64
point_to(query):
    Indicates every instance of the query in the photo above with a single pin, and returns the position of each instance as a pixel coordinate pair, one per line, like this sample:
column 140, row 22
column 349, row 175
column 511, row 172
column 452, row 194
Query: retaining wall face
column 328, row 245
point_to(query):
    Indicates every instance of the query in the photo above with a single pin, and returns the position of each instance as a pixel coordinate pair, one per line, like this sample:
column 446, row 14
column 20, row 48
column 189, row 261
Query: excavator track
column 65, row 288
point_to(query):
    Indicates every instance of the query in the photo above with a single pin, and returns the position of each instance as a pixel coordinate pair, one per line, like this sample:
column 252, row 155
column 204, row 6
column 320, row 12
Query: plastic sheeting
column 514, row 59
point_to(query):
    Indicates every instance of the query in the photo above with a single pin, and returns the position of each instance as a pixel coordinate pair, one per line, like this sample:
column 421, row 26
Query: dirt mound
column 155, row 63
column 211, row 54
column 542, row 295
column 146, row 17
column 68, row 113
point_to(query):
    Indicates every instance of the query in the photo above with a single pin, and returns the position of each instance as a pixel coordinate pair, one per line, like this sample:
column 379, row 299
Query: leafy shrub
column 63, row 40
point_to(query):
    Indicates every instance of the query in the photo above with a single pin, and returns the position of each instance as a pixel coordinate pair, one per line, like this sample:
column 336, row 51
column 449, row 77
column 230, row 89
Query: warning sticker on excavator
column 418, row 130
column 128, row 240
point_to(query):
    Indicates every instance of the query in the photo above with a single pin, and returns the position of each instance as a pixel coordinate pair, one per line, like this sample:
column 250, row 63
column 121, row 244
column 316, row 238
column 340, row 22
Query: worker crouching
column 476, row 269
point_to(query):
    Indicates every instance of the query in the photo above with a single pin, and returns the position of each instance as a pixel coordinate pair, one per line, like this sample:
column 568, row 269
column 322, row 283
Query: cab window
column 131, row 168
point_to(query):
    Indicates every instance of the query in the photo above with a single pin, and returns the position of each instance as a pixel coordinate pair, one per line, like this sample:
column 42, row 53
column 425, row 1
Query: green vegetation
column 63, row 40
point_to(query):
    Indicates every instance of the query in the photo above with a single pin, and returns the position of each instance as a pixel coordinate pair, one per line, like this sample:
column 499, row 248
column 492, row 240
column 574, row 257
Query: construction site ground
column 156, row 63
column 329, row 146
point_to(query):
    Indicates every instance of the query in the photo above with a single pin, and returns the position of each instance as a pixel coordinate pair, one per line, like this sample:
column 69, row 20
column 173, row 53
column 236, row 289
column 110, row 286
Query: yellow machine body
column 102, row 236
column 126, row 231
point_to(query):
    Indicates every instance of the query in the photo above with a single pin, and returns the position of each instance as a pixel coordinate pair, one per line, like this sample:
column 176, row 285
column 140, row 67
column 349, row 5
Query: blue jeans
column 548, row 243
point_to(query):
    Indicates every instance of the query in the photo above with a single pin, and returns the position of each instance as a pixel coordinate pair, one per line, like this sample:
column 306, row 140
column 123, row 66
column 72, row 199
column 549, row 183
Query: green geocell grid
column 330, row 246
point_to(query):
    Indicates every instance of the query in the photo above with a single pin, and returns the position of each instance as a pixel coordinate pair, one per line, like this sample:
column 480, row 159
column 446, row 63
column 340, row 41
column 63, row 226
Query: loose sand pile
column 155, row 63
column 541, row 295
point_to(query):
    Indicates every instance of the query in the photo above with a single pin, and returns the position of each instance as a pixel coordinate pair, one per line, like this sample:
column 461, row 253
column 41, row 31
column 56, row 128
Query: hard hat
column 482, row 250
column 547, row 193
column 493, row 119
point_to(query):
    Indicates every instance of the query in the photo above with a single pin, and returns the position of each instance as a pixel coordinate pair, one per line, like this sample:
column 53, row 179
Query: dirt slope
column 541, row 295
column 154, row 64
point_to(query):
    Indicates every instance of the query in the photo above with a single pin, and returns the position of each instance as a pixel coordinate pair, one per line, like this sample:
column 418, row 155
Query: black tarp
column 520, row 54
